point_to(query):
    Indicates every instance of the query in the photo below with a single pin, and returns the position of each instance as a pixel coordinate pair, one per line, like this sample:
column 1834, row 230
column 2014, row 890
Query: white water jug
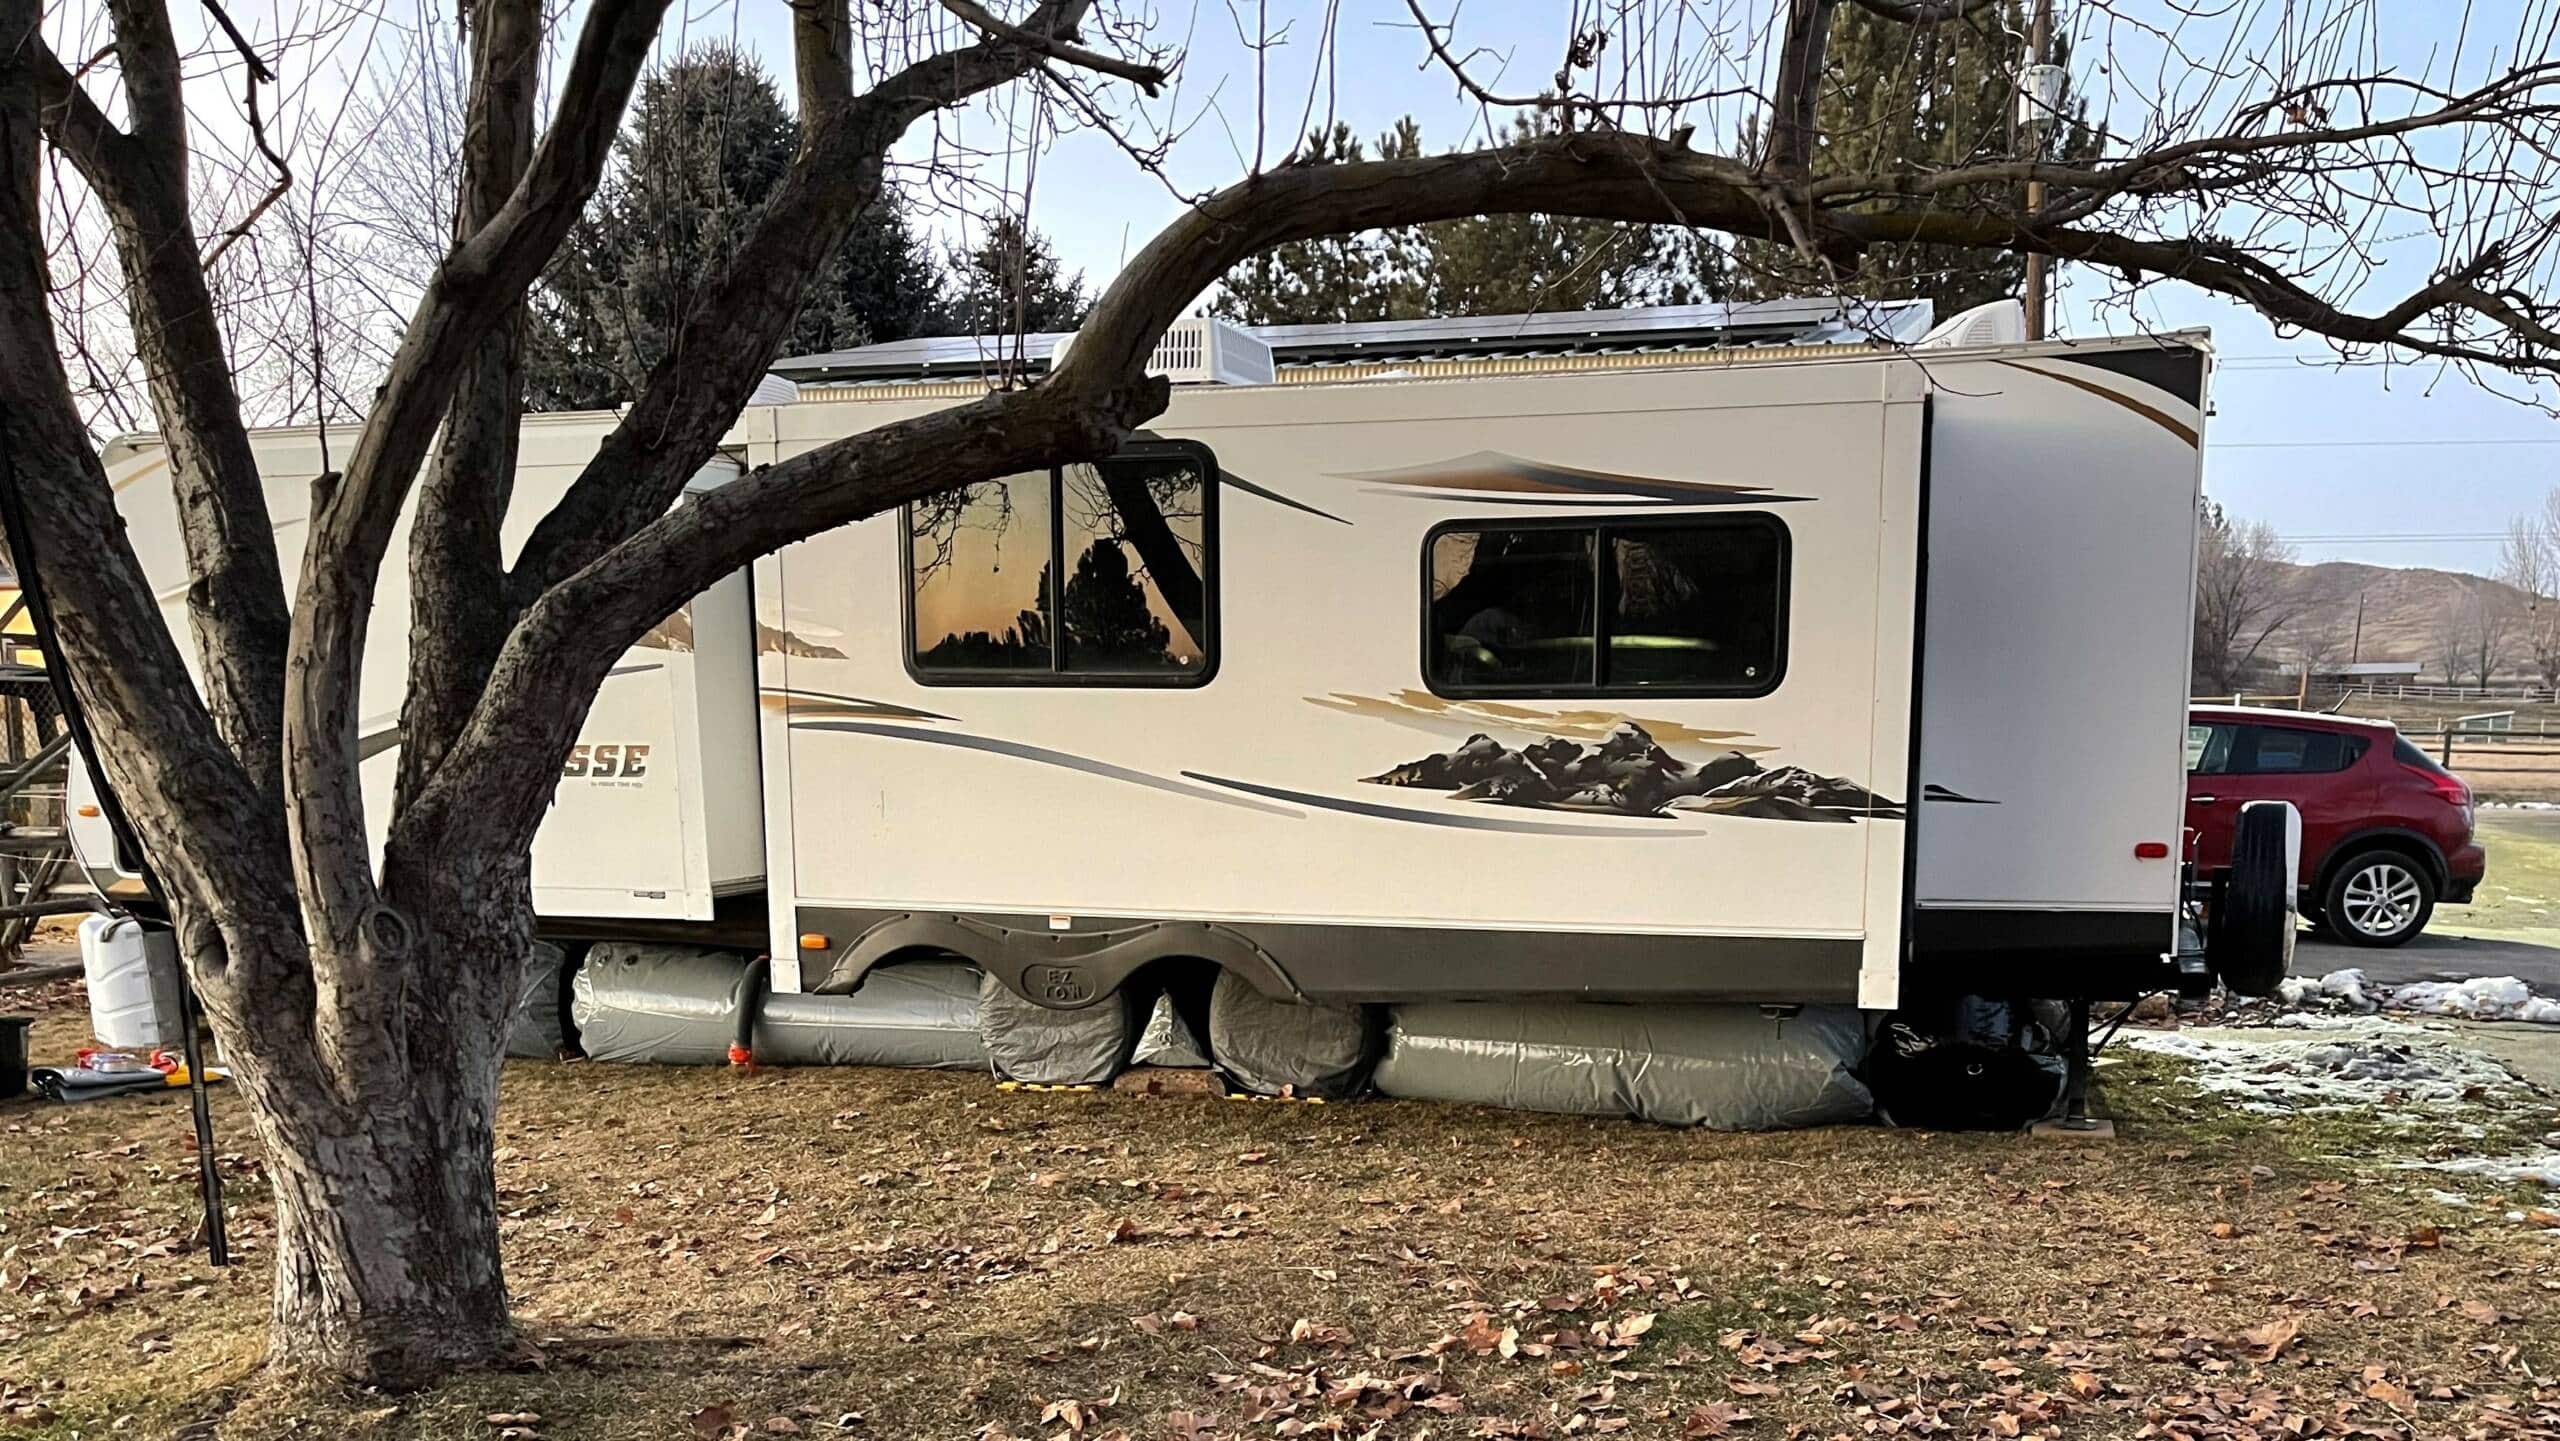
column 133, row 996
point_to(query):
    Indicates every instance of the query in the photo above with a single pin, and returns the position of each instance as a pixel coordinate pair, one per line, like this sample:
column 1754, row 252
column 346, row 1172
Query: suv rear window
column 2414, row 758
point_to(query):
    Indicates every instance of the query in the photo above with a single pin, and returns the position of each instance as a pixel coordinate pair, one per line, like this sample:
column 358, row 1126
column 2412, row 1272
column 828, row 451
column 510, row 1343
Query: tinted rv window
column 1512, row 608
column 1092, row 574
column 1132, row 599
column 978, row 577
column 1694, row 607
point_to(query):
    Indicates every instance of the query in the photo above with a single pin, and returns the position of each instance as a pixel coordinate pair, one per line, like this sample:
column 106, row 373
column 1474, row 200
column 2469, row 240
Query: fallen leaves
column 2266, row 1343
column 1713, row 1418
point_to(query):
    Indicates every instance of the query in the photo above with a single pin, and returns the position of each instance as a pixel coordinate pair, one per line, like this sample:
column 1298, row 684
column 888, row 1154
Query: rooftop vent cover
column 1201, row 350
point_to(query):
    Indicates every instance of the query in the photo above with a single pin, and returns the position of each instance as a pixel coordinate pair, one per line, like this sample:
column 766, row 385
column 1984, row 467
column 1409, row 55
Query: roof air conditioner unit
column 2002, row 322
column 1202, row 350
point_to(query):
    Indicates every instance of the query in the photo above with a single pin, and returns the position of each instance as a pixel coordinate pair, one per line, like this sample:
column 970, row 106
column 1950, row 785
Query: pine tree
column 1934, row 97
column 1374, row 275
column 1010, row 283
column 1480, row 265
column 707, row 142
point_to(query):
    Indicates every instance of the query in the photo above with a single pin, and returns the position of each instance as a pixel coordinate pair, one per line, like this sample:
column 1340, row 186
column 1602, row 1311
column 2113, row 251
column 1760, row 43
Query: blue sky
column 2388, row 464
column 2404, row 465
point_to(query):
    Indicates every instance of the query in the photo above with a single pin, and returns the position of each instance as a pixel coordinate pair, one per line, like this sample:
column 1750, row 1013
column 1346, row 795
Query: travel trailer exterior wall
column 657, row 815
column 1832, row 676
column 1592, row 684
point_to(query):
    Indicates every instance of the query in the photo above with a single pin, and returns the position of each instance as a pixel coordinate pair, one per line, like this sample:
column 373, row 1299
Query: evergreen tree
column 1512, row 264
column 707, row 143
column 1010, row 283
column 1374, row 275
column 1935, row 97
column 1480, row 265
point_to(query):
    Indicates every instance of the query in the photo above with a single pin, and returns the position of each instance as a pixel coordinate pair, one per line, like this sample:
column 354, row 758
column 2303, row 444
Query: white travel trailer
column 1709, row 654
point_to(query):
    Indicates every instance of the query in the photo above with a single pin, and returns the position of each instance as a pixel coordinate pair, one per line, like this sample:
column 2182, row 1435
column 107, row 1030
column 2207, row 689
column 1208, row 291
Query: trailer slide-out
column 1843, row 676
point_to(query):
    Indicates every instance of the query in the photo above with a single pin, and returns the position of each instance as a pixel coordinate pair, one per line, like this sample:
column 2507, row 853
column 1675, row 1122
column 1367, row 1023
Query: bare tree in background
column 2530, row 563
column 2317, row 643
column 365, row 1002
column 2473, row 634
column 2243, row 597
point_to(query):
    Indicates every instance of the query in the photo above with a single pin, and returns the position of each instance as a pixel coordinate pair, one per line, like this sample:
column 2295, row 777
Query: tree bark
column 387, row 1257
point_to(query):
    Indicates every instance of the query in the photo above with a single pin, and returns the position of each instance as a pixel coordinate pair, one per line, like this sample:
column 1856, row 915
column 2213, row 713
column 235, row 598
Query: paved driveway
column 2436, row 956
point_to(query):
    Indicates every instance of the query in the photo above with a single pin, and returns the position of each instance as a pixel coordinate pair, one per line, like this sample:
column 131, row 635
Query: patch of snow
column 2316, row 1021
column 2363, row 1062
column 2449, row 1198
column 2542, row 1168
column 2482, row 998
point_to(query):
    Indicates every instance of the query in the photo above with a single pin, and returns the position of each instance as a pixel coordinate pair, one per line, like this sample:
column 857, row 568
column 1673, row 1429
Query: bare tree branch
column 720, row 353
column 483, row 281
column 1049, row 41
column 458, row 611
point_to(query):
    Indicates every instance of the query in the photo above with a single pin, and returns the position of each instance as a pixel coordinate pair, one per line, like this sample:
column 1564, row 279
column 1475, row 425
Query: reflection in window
column 978, row 557
column 1696, row 605
column 1512, row 607
column 1089, row 570
column 1693, row 606
column 1133, row 601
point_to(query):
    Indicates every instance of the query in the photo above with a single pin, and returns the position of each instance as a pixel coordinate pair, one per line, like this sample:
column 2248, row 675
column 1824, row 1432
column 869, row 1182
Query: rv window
column 1099, row 574
column 1694, row 607
column 977, row 565
column 1132, row 600
column 1513, row 607
column 1613, row 607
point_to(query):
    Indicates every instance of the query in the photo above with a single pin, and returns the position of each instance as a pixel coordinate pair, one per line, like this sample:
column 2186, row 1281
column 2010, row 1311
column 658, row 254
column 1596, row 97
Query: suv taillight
column 2449, row 788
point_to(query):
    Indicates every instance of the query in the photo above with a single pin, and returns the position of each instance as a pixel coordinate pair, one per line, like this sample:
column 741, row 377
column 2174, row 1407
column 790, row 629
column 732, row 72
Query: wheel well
column 2416, row 848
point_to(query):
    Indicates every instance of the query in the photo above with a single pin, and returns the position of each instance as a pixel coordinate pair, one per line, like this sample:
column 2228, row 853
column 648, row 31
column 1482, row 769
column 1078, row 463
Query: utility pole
column 2355, row 652
column 2038, row 97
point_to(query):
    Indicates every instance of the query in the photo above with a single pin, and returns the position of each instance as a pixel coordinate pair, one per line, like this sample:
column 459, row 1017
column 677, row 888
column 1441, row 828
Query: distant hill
column 2403, row 609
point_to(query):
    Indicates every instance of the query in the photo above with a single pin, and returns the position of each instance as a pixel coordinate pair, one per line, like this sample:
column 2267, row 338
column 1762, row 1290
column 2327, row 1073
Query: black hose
column 75, row 722
column 746, row 1003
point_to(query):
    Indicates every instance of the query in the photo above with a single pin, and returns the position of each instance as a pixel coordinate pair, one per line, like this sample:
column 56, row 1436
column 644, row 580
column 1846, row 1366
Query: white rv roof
column 1817, row 321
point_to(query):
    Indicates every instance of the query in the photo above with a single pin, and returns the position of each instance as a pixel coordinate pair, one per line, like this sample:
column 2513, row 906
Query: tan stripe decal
column 2154, row 414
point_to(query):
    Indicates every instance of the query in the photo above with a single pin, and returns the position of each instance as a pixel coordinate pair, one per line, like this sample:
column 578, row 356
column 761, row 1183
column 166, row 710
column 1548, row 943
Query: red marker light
column 2151, row 850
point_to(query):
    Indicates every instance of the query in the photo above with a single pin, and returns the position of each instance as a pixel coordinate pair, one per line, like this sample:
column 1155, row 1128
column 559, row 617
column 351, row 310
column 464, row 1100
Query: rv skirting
column 1730, row 1068
column 675, row 1005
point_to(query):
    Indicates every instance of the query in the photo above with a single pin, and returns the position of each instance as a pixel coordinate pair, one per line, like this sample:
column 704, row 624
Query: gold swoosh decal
column 2154, row 414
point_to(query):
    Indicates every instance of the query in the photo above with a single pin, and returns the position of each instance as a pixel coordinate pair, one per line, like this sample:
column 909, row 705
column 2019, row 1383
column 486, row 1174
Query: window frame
column 1603, row 577
column 1055, row 675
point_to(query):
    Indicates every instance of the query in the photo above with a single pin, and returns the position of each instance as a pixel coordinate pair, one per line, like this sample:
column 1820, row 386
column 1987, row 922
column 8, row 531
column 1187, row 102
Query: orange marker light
column 812, row 941
column 90, row 811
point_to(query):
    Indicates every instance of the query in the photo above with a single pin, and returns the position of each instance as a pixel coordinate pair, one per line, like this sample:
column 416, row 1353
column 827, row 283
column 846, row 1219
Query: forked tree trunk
column 378, row 1146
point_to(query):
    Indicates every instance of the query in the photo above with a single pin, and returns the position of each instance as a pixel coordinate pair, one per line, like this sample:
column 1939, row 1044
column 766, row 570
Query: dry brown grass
column 947, row 1260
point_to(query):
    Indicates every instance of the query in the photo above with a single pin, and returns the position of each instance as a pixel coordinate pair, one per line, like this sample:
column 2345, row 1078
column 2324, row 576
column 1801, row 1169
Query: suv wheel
column 2378, row 898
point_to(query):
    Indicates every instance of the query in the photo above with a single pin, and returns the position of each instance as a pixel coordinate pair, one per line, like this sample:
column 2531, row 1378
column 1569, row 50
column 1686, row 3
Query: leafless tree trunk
column 2530, row 563
column 365, row 1005
column 2242, row 597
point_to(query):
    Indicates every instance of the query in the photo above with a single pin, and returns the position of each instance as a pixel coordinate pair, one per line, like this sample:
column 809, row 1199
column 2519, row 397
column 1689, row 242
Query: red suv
column 2386, row 832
